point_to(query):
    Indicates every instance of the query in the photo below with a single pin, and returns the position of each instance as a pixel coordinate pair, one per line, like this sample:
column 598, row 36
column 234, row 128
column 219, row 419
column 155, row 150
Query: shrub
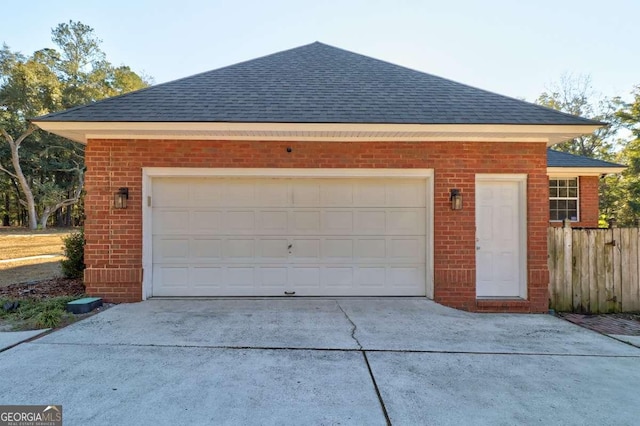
column 49, row 318
column 52, row 313
column 73, row 266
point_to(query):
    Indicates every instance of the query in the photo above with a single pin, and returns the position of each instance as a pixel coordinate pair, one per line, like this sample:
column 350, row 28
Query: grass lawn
column 19, row 243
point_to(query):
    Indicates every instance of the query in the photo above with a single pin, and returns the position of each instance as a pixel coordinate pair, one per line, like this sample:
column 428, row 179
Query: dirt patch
column 43, row 289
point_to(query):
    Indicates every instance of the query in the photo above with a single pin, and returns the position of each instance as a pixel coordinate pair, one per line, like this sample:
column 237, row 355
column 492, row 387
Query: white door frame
column 148, row 173
column 521, row 180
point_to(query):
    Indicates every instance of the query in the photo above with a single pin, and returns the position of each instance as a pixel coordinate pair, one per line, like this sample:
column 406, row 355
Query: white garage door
column 277, row 236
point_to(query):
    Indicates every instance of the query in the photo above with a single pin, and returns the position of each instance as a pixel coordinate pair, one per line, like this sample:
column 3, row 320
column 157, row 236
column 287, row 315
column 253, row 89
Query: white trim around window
column 564, row 198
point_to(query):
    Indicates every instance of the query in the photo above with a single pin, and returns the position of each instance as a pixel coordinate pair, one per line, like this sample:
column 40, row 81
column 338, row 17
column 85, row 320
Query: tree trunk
column 20, row 216
column 44, row 218
column 67, row 216
column 15, row 161
column 6, row 220
column 57, row 219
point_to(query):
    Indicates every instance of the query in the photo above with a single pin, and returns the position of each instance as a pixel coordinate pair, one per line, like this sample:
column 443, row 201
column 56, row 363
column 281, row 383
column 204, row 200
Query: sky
column 513, row 47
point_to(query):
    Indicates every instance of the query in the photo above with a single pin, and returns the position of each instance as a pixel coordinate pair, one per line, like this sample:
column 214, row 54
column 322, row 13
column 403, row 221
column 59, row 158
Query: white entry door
column 500, row 236
column 277, row 236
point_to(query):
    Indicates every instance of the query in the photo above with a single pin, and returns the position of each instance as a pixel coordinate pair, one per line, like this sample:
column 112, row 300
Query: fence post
column 567, row 276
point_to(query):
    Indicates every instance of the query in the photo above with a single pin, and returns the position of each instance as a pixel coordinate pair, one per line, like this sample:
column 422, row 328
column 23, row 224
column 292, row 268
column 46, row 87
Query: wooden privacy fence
column 594, row 270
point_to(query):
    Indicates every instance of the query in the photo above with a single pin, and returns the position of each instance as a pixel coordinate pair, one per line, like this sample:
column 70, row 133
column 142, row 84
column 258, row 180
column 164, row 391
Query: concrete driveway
column 324, row 361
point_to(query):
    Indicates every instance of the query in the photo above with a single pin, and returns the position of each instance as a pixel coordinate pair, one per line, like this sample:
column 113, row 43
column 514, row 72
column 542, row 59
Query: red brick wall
column 589, row 203
column 114, row 237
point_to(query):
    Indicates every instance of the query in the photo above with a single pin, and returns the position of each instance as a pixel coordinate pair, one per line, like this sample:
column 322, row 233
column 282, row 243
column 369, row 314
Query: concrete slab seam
column 621, row 340
column 29, row 340
column 377, row 389
column 285, row 348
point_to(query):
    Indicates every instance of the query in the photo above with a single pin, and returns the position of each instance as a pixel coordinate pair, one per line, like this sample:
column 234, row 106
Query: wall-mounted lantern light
column 456, row 199
column 120, row 198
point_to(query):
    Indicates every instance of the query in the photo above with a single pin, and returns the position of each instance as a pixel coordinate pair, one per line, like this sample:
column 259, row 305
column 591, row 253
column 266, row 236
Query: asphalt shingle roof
column 316, row 83
column 563, row 159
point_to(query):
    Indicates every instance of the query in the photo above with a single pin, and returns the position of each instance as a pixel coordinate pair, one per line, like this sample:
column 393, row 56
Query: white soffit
column 339, row 132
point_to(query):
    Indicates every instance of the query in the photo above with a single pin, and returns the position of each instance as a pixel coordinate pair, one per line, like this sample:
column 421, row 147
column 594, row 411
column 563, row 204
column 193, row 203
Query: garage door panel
column 372, row 277
column 274, row 222
column 272, row 194
column 205, row 249
column 239, row 193
column 390, row 222
column 406, row 249
column 305, row 222
column 336, row 193
column 239, row 276
column 370, row 194
column 242, row 249
column 170, row 280
column 273, row 277
column 171, row 221
column 373, row 249
column 170, row 192
column 265, row 237
column 371, row 222
column 206, row 276
column 203, row 193
column 305, row 276
column 405, row 222
column 305, row 193
column 338, row 277
column 171, row 249
column 275, row 249
column 209, row 221
column 406, row 276
column 337, row 222
column 239, row 221
column 305, row 250
column 406, row 194
column 338, row 249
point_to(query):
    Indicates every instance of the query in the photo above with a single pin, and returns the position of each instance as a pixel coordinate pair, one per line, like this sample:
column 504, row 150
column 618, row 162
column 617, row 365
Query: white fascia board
column 582, row 171
column 83, row 131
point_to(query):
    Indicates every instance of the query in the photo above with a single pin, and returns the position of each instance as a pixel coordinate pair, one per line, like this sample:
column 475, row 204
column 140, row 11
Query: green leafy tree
column 46, row 170
column 627, row 197
column 575, row 95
